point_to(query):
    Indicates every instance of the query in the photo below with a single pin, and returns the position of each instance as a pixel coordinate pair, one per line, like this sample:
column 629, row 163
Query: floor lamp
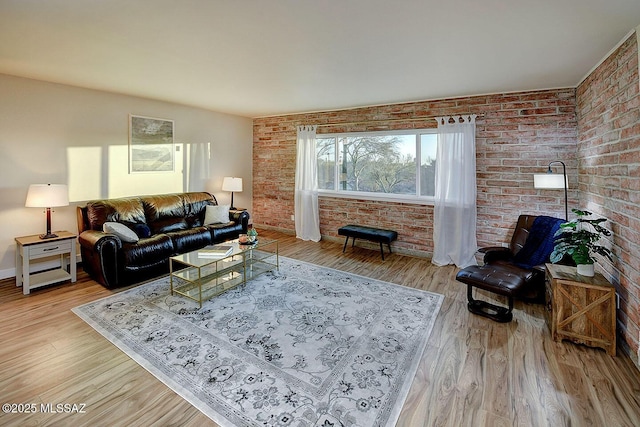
column 552, row 180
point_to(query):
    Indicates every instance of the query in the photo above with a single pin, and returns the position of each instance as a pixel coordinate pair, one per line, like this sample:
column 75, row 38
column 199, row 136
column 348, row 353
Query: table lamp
column 232, row 184
column 47, row 196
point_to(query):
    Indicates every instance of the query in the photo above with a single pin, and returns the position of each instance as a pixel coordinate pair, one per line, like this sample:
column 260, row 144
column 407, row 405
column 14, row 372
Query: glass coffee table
column 203, row 274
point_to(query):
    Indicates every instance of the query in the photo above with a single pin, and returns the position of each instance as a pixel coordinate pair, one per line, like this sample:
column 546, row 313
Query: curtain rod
column 414, row 119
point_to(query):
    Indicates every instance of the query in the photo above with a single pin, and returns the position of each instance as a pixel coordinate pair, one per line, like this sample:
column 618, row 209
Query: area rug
column 301, row 346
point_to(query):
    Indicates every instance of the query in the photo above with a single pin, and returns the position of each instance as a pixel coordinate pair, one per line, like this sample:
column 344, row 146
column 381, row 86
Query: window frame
column 376, row 196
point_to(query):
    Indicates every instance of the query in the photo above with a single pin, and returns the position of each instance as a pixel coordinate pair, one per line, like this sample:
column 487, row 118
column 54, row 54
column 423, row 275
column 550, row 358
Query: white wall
column 51, row 133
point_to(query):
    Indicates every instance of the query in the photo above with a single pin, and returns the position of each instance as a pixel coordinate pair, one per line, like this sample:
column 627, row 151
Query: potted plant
column 579, row 240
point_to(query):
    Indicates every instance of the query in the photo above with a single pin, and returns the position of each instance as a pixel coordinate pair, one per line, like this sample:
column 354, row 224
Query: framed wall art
column 151, row 147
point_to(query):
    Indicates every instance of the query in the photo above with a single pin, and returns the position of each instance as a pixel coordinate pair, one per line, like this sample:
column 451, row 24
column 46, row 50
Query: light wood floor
column 474, row 372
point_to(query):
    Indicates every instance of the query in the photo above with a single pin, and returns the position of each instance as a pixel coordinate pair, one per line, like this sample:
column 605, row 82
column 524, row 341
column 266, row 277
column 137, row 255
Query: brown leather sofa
column 163, row 225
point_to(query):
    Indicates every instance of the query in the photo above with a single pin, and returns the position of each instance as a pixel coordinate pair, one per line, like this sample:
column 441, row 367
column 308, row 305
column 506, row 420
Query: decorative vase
column 585, row 270
column 252, row 235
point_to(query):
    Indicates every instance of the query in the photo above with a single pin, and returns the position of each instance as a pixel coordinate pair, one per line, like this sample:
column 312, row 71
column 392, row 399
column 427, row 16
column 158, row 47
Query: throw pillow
column 142, row 230
column 122, row 231
column 216, row 214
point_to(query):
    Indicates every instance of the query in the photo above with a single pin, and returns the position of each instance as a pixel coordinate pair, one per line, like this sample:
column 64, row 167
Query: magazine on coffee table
column 215, row 251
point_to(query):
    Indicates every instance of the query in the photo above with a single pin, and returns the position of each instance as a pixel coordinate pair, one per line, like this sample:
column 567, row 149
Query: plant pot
column 585, row 270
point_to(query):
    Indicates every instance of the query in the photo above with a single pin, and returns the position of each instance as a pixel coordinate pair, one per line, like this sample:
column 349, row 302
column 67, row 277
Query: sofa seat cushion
column 190, row 240
column 147, row 251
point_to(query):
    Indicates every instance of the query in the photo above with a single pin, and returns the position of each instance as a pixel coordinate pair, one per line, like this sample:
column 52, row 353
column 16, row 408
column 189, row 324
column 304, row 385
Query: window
column 379, row 164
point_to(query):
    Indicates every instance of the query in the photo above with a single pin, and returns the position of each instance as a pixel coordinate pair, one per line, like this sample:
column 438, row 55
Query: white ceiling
column 268, row 57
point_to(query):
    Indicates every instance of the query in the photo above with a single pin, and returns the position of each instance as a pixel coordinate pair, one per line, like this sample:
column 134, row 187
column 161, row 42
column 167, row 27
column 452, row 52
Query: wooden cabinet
column 579, row 308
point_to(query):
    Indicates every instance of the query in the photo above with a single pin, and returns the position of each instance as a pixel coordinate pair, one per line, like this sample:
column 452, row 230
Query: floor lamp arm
column 566, row 196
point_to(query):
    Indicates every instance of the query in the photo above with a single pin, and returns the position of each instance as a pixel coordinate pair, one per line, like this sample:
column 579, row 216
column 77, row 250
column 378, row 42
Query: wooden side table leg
column 25, row 270
column 73, row 262
column 18, row 265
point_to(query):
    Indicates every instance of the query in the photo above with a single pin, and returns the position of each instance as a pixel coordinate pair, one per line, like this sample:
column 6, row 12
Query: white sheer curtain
column 307, row 216
column 454, row 223
column 197, row 156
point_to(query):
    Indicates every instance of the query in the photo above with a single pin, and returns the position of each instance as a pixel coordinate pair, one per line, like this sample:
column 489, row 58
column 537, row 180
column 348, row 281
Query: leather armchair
column 516, row 271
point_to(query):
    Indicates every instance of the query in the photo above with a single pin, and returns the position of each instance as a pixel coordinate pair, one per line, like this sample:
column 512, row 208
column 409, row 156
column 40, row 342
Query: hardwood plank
column 497, row 380
column 473, row 371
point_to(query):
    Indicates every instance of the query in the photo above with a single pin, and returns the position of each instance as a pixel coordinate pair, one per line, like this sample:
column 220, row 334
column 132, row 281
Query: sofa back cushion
column 164, row 213
column 127, row 210
column 195, row 205
column 156, row 214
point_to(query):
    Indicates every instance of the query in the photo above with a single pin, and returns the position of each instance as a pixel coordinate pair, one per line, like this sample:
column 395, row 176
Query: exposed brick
column 609, row 154
column 519, row 135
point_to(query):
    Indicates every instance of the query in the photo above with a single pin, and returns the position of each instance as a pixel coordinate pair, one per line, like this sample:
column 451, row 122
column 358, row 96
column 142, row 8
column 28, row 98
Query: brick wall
column 518, row 134
column 608, row 105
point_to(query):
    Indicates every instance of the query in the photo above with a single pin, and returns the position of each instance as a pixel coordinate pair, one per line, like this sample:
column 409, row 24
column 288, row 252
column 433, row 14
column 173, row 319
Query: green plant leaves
column 578, row 239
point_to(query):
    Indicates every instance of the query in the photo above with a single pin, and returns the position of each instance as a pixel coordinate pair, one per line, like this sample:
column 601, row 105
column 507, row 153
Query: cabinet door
column 586, row 313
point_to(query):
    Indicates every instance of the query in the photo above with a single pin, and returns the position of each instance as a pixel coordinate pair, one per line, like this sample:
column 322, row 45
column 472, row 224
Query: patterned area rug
column 302, row 346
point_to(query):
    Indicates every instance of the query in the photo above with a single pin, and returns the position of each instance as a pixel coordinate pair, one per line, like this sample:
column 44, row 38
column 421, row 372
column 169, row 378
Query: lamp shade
column 550, row 180
column 47, row 196
column 230, row 183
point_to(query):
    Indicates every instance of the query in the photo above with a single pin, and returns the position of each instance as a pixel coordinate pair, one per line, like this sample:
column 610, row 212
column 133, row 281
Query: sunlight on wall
column 91, row 175
column 84, row 173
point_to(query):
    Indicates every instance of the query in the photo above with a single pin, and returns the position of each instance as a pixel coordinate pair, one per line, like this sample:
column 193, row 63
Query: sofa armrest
column 240, row 217
column 99, row 252
column 94, row 238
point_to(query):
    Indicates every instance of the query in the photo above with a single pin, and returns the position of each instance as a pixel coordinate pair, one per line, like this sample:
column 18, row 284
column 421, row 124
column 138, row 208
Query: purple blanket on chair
column 540, row 243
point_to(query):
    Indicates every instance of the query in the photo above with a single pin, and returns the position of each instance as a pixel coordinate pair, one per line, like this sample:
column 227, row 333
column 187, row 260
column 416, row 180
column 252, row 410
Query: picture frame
column 151, row 144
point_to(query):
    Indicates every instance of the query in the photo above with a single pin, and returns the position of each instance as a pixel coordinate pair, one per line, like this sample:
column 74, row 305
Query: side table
column 32, row 248
column 579, row 308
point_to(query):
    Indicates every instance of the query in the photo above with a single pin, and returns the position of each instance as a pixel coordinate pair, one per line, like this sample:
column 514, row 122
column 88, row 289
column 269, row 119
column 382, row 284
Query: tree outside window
column 383, row 163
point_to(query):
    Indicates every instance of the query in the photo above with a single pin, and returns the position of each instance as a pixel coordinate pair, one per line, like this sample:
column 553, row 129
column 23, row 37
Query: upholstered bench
column 497, row 279
column 372, row 234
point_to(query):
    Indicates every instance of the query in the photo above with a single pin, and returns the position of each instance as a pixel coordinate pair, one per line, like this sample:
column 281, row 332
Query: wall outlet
column 293, row 217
